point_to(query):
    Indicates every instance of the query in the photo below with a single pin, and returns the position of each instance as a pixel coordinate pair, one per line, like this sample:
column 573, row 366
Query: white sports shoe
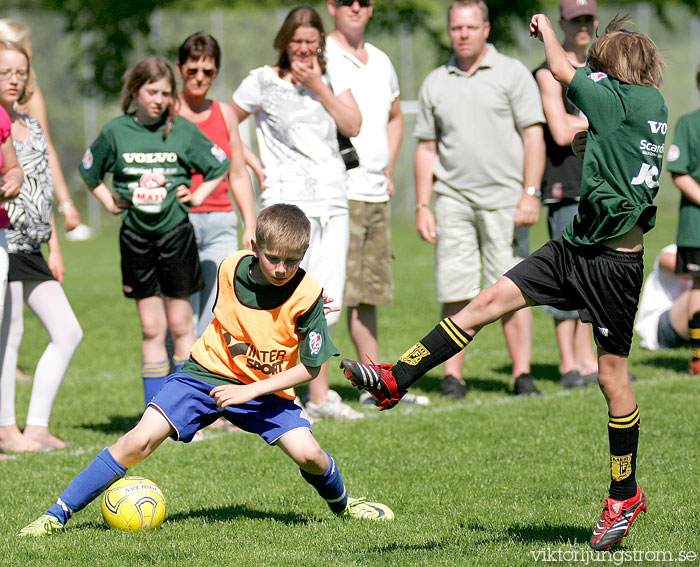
column 332, row 408
column 408, row 398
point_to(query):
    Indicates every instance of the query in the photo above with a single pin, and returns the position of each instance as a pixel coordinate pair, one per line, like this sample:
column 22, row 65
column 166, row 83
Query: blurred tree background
column 83, row 47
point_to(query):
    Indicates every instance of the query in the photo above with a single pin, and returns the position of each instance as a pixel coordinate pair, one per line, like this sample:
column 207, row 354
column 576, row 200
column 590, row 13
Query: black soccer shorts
column 601, row 283
column 160, row 263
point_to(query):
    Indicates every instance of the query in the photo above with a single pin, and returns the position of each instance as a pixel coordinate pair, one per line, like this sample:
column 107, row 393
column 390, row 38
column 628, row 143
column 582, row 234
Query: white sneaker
column 408, row 398
column 332, row 408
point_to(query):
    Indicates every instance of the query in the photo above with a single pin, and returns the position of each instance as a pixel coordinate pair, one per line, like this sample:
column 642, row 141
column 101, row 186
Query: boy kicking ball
column 268, row 314
column 597, row 266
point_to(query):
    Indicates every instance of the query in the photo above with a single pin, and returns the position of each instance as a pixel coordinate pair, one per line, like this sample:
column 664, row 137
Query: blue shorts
column 186, row 404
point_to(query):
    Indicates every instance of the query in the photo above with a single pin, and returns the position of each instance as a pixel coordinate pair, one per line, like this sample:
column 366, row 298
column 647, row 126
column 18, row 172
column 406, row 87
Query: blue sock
column 330, row 486
column 154, row 375
column 88, row 485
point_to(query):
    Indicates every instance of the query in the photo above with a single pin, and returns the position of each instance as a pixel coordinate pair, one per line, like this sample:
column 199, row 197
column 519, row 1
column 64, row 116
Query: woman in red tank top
column 215, row 221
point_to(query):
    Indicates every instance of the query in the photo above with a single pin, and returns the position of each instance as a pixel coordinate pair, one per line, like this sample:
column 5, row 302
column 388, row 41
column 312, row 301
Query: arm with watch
column 528, row 211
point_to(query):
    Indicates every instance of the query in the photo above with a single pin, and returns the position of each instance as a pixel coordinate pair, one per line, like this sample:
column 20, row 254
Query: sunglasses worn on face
column 207, row 72
column 349, row 3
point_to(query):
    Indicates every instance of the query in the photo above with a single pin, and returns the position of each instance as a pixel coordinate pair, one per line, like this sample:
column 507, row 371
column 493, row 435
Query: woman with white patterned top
column 299, row 110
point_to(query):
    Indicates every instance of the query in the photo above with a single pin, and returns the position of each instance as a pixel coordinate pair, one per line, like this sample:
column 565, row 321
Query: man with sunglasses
column 375, row 86
column 481, row 152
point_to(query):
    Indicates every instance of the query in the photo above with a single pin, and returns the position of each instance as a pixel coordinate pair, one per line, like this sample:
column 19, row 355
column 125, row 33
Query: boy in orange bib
column 268, row 335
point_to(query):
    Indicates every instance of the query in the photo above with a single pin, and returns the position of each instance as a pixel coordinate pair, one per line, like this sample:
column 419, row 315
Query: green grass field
column 491, row 480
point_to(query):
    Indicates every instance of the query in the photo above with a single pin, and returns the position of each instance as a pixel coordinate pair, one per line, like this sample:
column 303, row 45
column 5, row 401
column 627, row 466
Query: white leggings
column 50, row 305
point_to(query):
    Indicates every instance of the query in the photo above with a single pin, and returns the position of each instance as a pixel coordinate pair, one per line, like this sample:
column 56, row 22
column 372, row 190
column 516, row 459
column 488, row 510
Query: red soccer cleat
column 377, row 379
column 616, row 520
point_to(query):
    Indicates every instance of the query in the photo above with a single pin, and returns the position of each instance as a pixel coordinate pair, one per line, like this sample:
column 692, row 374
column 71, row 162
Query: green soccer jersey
column 148, row 168
column 624, row 151
column 684, row 158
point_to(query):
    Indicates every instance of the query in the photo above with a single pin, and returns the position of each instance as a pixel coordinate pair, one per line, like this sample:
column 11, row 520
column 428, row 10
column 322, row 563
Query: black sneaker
column 525, row 386
column 573, row 380
column 451, row 387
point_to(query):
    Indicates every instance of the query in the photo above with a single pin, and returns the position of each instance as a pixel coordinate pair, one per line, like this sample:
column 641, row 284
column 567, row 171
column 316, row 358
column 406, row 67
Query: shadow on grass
column 548, row 534
column 534, row 534
column 431, row 384
column 114, row 424
column 392, row 547
column 540, row 371
column 672, row 362
column 212, row 515
column 226, row 513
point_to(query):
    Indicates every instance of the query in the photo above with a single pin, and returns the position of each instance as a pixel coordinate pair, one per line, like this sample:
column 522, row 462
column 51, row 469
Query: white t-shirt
column 661, row 289
column 298, row 143
column 375, row 87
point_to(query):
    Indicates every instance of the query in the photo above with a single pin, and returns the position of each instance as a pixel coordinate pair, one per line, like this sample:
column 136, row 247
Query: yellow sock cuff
column 625, row 422
column 460, row 338
column 155, row 369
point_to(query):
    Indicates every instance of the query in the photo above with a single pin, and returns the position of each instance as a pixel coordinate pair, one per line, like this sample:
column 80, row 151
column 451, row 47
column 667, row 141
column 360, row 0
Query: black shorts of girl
column 28, row 266
column 601, row 283
column 160, row 263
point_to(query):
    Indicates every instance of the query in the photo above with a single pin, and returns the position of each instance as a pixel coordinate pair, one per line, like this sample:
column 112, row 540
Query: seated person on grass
column 662, row 319
column 244, row 368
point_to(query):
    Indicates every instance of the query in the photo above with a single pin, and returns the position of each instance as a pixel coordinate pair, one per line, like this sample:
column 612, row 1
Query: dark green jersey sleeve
column 99, row 159
column 205, row 157
column 315, row 344
column 593, row 94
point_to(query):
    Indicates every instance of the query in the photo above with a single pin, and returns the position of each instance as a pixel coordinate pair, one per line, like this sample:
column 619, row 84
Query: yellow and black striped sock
column 439, row 345
column 694, row 333
column 623, row 433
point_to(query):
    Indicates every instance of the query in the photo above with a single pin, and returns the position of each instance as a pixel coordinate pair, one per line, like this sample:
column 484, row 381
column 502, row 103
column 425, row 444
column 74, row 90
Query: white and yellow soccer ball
column 133, row 503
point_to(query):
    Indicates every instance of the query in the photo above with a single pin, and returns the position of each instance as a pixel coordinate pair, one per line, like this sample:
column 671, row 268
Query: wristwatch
column 534, row 191
column 419, row 206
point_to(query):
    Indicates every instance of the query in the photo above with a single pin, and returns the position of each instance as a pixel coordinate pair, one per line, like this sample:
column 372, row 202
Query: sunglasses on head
column 349, row 3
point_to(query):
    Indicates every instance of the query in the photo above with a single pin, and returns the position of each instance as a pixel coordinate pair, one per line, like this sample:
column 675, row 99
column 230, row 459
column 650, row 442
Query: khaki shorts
column 470, row 240
column 368, row 275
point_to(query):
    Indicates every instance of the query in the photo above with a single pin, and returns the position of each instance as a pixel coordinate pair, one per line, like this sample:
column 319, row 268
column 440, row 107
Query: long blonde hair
column 628, row 56
column 17, row 33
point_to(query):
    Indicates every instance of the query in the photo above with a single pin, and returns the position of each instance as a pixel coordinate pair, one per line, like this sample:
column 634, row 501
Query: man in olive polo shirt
column 481, row 151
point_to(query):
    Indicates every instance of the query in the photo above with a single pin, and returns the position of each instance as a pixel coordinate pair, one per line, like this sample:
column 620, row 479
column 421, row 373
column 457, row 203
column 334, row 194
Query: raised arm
column 342, row 106
column 562, row 69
